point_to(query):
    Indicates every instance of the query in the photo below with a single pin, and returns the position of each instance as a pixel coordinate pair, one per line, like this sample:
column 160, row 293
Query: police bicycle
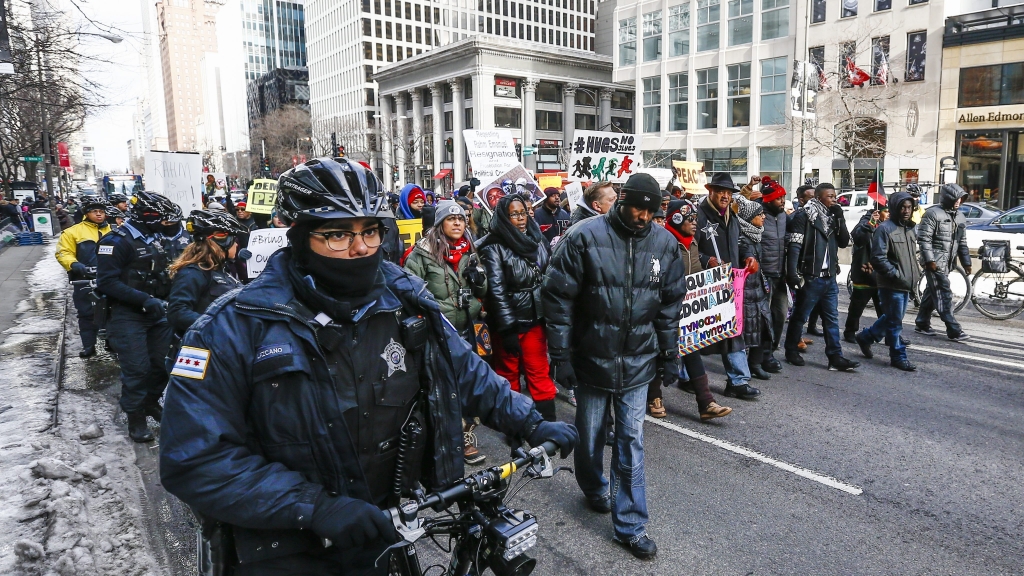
column 484, row 533
column 999, row 295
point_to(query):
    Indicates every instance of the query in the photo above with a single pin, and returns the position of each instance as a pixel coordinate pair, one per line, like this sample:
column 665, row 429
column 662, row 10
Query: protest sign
column 263, row 243
column 603, row 156
column 262, row 196
column 177, row 175
column 690, row 176
column 574, row 195
column 709, row 312
column 491, row 153
column 521, row 182
column 549, row 181
column 410, row 231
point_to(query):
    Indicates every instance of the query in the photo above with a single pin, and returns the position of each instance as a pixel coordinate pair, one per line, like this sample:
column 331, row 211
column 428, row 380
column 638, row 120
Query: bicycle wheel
column 999, row 296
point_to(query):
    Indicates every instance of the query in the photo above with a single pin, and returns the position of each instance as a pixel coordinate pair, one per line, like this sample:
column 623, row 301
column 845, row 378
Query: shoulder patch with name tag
column 271, row 351
column 108, row 250
column 191, row 363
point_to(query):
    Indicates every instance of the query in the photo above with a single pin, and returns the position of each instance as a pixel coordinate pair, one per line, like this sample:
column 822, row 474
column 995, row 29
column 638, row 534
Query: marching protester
column 201, row 275
column 894, row 259
column 803, row 195
column 611, row 299
column 773, row 266
column 515, row 255
column 550, row 216
column 814, row 236
column 76, row 252
column 481, row 217
column 446, row 261
column 681, row 222
column 598, row 199
column 288, row 432
column 411, row 202
column 862, row 275
column 131, row 270
column 942, row 237
column 718, row 242
column 471, row 226
column 245, row 217
column 757, row 315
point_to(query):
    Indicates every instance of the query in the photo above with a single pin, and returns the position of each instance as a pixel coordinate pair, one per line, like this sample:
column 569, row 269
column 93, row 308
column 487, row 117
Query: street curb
column 58, row 366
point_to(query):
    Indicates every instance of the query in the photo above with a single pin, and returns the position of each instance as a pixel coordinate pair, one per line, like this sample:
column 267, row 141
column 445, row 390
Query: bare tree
column 285, row 132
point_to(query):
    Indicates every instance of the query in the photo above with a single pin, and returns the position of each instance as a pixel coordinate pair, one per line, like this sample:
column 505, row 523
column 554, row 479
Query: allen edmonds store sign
column 990, row 115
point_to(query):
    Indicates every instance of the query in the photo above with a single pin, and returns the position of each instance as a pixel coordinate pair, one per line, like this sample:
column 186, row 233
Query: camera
column 464, row 297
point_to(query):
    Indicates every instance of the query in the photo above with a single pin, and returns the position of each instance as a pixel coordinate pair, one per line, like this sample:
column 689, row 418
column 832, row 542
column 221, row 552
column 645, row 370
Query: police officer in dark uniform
column 115, row 217
column 132, row 273
column 288, row 399
column 119, row 201
column 175, row 238
column 199, row 276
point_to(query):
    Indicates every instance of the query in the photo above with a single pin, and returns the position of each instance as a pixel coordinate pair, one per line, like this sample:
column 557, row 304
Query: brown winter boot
column 657, row 408
column 469, row 450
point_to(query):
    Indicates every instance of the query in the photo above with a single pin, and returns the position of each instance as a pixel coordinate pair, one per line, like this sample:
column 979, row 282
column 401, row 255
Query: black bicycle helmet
column 116, row 199
column 153, row 208
column 176, row 214
column 913, row 189
column 328, row 189
column 203, row 223
column 93, row 203
column 114, row 212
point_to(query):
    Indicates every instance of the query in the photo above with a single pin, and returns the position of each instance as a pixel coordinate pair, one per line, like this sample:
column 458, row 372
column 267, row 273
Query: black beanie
column 641, row 191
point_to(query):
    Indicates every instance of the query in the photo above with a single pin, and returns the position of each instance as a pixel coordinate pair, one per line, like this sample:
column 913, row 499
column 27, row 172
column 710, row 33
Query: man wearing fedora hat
column 718, row 241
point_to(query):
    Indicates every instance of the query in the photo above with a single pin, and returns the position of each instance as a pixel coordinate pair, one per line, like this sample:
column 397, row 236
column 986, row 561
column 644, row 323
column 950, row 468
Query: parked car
column 977, row 213
column 1011, row 221
column 855, row 205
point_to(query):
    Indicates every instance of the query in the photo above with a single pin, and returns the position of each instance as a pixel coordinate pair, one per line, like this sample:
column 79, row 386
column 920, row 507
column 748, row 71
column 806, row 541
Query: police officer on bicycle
column 307, row 401
column 76, row 252
column 175, row 237
column 132, row 273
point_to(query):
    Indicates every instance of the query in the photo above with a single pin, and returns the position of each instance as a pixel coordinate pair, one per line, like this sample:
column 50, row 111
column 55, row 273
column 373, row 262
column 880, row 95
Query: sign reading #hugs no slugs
column 709, row 312
column 596, row 156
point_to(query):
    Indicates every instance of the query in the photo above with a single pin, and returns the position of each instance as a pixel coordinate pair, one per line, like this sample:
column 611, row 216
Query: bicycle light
column 512, row 533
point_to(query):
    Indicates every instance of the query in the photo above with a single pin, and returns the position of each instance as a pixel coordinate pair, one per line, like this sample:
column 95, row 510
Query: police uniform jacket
column 131, row 266
column 192, row 291
column 258, row 427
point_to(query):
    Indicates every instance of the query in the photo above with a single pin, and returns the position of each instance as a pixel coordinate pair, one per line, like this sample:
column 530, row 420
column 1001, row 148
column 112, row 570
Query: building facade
column 981, row 118
column 276, row 89
column 540, row 94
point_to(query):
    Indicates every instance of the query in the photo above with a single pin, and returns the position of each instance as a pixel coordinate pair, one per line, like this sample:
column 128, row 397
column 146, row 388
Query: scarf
column 684, row 240
column 315, row 293
column 816, row 210
column 525, row 245
column 751, row 231
column 456, row 252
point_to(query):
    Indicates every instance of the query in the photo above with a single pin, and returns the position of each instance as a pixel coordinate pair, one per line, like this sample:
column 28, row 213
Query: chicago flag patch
column 191, row 363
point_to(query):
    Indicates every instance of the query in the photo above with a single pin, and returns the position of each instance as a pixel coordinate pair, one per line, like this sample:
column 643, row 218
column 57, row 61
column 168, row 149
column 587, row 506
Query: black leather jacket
column 513, row 282
column 807, row 245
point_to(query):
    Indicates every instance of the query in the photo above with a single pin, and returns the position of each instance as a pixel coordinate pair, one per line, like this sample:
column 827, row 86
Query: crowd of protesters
column 583, row 303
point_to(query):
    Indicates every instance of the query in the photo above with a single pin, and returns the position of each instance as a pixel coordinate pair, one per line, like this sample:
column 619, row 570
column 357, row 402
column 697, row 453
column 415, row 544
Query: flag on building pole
column 854, row 75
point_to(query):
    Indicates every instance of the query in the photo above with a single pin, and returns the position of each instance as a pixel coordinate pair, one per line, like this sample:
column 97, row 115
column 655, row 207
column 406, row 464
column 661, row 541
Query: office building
column 276, row 89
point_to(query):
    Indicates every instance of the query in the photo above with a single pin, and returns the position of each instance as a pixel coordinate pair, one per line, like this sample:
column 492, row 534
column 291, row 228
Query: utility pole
column 46, row 129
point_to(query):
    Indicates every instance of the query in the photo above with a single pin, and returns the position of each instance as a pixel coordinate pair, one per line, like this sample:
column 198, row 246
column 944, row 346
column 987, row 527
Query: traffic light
column 395, row 175
column 266, row 164
column 341, row 151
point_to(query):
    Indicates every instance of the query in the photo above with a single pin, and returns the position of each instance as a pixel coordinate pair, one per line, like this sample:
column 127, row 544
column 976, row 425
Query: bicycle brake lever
column 410, row 531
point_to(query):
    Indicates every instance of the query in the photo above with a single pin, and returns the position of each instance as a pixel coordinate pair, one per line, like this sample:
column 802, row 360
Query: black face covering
column 147, row 228
column 171, row 230
column 351, row 279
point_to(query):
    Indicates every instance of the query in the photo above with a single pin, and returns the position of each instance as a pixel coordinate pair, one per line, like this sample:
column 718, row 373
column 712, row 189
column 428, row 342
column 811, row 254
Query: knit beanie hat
column 641, row 191
column 446, row 208
column 748, row 209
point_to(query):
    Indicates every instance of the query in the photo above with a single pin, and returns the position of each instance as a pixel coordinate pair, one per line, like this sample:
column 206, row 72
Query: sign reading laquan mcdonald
column 596, row 156
column 709, row 311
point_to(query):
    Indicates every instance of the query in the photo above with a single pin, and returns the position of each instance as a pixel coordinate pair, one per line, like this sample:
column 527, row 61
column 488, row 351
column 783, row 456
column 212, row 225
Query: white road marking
column 826, row 480
column 957, row 354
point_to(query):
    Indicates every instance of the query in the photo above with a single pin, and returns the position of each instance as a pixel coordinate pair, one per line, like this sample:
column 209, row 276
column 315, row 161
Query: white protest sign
column 709, row 310
column 596, row 156
column 574, row 195
column 491, row 153
column 263, row 244
column 177, row 175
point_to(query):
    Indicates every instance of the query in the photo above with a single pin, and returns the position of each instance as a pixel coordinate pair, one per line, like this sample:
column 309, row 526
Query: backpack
column 995, row 256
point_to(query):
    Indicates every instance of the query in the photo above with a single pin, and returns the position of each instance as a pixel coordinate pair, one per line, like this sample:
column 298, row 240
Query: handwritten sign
column 177, row 175
column 491, row 153
column 263, row 243
column 574, row 195
column 709, row 310
column 262, row 196
column 690, row 176
column 597, row 156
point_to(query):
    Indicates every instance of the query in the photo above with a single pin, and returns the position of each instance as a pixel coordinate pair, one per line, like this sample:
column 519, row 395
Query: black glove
column 561, row 433
column 836, row 211
column 153, row 307
column 562, row 372
column 668, row 369
column 796, row 282
column 350, row 523
column 510, row 342
column 473, row 276
column 79, row 268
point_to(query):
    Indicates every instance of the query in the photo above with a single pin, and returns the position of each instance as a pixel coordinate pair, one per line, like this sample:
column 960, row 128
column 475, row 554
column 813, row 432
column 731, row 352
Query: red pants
column 534, row 362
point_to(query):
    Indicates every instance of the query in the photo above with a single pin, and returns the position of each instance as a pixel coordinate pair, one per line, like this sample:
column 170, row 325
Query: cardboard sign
column 491, row 153
column 546, row 181
column 690, row 176
column 262, row 196
column 574, row 195
column 709, row 311
column 410, row 231
column 263, row 243
column 597, row 156
column 177, row 175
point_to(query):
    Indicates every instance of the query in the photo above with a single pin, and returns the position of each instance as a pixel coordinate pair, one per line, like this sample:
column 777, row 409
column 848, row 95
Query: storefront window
column 992, row 85
column 981, row 155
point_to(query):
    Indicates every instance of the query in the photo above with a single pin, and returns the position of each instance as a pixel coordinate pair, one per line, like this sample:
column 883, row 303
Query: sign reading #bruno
column 709, row 310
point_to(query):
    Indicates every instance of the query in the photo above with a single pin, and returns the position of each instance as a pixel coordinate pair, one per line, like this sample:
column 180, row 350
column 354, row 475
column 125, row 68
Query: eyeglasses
column 341, row 240
column 691, row 217
column 517, row 215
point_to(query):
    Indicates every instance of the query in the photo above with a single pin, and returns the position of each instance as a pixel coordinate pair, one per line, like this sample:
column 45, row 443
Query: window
column 773, row 91
column 652, row 104
column 679, row 30
column 880, row 60
column 708, row 15
column 916, row 44
column 548, row 92
column 366, row 27
column 915, row 2
column 739, row 94
column 881, row 5
column 741, row 22
column 448, row 121
column 849, row 9
column 730, row 160
column 549, row 120
column 992, row 85
column 586, row 122
column 467, row 118
column 816, row 56
column 677, row 99
column 774, row 19
column 377, row 28
column 624, row 125
column 652, row 36
column 507, row 117
column 367, row 51
column 585, row 97
column 778, row 164
column 818, row 11
column 622, row 100
column 707, row 98
column 627, row 42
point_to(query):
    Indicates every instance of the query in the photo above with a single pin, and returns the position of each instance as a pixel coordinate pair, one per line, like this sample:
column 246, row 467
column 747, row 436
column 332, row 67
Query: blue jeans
column 737, row 371
column 628, row 492
column 890, row 322
column 142, row 344
column 826, row 291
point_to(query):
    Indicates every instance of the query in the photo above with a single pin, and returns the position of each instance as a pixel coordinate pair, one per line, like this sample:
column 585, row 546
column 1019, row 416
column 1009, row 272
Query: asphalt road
column 927, row 469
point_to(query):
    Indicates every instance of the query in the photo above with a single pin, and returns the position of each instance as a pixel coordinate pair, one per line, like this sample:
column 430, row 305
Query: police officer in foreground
column 76, row 252
column 287, row 401
column 132, row 272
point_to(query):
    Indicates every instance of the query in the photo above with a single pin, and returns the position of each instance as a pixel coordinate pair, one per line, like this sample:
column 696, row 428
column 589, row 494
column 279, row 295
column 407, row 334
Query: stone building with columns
column 540, row 93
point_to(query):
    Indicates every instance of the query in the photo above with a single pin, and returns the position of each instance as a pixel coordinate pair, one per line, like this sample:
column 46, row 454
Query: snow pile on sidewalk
column 70, row 498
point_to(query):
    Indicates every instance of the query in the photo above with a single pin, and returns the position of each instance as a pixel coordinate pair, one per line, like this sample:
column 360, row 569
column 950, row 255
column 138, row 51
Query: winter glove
column 751, row 265
column 795, row 281
column 561, row 433
column 153, row 308
column 562, row 372
column 668, row 369
column 473, row 276
column 837, row 212
column 350, row 523
column 510, row 342
column 79, row 268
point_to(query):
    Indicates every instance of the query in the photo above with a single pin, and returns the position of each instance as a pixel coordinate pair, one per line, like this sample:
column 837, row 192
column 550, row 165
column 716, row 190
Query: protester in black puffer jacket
column 757, row 316
column 515, row 254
